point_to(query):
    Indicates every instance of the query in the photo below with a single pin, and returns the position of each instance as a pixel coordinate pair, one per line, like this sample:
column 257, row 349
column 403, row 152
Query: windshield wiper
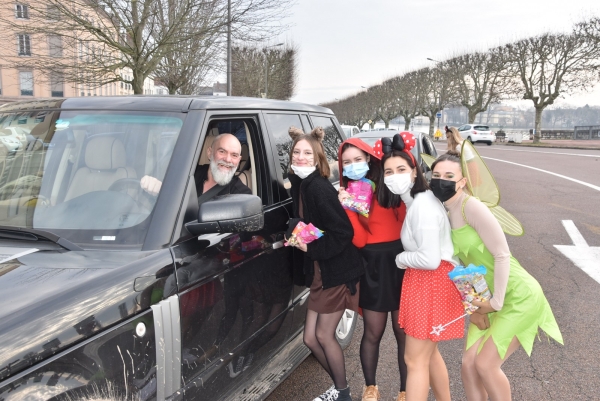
column 27, row 234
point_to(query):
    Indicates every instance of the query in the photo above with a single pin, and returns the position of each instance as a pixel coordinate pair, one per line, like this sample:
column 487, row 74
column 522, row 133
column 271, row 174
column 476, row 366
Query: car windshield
column 77, row 173
column 347, row 131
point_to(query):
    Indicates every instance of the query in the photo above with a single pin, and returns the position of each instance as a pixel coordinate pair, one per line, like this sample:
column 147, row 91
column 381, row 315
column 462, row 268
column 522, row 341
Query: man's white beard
column 221, row 177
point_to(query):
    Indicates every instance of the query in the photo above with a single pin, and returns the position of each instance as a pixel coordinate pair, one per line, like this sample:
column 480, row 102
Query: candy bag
column 361, row 193
column 256, row 242
column 303, row 233
column 471, row 285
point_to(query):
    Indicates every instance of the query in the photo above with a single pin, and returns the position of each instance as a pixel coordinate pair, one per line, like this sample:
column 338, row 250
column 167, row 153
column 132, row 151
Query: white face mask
column 398, row 183
column 303, row 171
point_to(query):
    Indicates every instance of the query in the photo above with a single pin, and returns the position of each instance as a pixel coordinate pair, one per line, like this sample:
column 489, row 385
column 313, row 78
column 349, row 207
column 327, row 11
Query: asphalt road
column 541, row 201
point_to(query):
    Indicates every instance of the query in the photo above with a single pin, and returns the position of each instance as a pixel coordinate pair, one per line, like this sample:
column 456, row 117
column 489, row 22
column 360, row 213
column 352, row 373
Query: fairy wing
column 428, row 159
column 483, row 186
column 509, row 223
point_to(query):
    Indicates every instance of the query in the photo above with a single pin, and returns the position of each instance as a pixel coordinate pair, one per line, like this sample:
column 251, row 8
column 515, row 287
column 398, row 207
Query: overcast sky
column 346, row 44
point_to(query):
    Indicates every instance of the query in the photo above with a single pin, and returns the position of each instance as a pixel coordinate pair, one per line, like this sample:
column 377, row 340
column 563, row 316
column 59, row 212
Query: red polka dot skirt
column 429, row 299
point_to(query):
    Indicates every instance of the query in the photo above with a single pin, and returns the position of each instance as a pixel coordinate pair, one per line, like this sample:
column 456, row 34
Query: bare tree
column 549, row 65
column 480, row 80
column 269, row 71
column 438, row 90
column 408, row 89
column 103, row 37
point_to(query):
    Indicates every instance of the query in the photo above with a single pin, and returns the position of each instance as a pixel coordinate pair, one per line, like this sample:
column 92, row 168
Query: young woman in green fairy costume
column 518, row 307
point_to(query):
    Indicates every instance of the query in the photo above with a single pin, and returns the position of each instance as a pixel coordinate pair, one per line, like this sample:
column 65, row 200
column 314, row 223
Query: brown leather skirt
column 332, row 299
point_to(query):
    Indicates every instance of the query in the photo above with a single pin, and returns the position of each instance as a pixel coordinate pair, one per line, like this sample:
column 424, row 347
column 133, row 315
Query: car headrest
column 105, row 153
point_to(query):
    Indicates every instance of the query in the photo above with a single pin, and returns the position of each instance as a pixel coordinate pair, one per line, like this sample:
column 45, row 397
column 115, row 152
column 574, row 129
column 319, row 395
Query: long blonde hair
column 454, row 138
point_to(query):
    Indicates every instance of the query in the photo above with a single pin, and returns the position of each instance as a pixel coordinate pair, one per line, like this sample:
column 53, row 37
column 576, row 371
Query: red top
column 382, row 222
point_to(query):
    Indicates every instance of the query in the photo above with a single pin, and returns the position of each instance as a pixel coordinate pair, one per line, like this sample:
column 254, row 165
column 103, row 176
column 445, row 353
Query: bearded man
column 225, row 155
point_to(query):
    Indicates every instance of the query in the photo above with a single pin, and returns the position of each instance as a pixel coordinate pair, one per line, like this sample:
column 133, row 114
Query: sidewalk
column 591, row 144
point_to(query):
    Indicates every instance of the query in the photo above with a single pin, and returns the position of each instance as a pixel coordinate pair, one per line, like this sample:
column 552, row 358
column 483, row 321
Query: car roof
column 162, row 103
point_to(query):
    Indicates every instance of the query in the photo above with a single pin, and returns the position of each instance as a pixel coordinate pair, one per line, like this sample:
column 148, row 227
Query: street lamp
column 267, row 69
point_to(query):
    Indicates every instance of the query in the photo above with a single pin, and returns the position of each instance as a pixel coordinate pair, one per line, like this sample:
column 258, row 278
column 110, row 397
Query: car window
column 77, row 173
column 331, row 143
column 481, row 128
column 279, row 125
column 464, row 128
column 428, row 146
column 347, row 131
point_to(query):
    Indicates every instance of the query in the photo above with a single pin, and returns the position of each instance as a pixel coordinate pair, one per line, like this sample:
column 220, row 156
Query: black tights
column 375, row 323
column 319, row 337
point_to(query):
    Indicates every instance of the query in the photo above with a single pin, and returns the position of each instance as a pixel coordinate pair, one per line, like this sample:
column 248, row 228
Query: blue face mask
column 356, row 171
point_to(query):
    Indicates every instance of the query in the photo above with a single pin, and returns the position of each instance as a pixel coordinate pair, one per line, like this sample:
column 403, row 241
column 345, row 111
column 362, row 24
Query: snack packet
column 303, row 233
column 471, row 285
column 361, row 193
column 256, row 242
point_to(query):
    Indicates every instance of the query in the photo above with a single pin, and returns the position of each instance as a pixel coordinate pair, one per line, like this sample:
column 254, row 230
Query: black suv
column 109, row 292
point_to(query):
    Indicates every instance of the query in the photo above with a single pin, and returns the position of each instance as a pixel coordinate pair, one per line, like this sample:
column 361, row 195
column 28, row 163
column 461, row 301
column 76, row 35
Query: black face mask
column 443, row 189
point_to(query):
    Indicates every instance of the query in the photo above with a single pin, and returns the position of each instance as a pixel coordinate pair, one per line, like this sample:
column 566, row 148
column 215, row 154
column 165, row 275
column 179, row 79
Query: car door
column 235, row 289
column 278, row 123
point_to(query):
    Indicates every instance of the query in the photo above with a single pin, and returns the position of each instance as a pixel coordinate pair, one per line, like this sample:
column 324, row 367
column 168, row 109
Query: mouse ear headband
column 402, row 142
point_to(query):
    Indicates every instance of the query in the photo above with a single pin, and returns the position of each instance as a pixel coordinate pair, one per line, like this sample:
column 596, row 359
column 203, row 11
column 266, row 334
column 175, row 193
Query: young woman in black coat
column 332, row 265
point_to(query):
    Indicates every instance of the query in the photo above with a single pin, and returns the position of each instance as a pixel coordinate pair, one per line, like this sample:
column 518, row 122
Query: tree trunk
column 138, row 83
column 387, row 123
column 407, row 123
column 538, row 124
column 431, row 124
column 473, row 114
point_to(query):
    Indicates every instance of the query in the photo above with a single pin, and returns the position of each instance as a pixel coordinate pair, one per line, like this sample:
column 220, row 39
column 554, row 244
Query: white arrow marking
column 586, row 257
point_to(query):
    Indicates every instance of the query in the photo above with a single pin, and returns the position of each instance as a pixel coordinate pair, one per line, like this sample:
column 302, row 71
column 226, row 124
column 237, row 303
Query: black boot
column 344, row 395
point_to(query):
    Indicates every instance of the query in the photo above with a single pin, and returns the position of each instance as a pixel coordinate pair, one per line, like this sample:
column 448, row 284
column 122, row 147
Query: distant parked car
column 424, row 145
column 350, row 130
column 13, row 138
column 477, row 133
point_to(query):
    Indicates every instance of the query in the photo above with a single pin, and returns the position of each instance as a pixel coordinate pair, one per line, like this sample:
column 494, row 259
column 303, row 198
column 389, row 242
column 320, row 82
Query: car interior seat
column 105, row 163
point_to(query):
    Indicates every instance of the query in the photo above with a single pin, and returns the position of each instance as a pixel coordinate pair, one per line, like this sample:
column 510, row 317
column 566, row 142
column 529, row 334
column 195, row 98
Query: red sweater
column 383, row 225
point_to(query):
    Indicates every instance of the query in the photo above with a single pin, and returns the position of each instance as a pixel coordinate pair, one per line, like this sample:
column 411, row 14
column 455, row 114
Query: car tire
column 346, row 327
column 489, row 143
column 469, row 139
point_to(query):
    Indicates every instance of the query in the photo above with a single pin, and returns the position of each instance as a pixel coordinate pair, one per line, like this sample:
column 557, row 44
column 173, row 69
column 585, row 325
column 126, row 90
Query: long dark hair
column 385, row 197
column 374, row 172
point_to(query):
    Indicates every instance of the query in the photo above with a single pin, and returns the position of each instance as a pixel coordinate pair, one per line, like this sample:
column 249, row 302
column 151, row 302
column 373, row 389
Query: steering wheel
column 122, row 183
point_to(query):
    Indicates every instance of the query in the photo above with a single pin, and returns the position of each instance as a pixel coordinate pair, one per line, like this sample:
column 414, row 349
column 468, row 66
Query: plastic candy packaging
column 361, row 193
column 256, row 242
column 471, row 285
column 303, row 233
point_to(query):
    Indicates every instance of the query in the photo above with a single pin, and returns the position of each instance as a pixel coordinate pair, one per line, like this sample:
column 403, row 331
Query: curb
column 552, row 146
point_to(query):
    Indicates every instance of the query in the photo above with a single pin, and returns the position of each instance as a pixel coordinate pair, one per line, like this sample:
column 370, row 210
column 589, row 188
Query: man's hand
column 481, row 321
column 150, row 185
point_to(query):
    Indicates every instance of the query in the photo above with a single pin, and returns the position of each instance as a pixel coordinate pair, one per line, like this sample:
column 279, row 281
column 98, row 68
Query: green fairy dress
column 525, row 307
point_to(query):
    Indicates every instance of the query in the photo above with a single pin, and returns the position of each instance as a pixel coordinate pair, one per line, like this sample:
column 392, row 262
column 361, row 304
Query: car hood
column 54, row 299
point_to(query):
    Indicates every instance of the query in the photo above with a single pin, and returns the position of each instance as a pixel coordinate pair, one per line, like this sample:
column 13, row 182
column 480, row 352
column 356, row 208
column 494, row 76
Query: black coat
column 338, row 258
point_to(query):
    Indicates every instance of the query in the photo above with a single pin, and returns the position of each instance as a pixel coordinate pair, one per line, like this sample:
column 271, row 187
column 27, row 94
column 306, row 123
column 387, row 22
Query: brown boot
column 370, row 393
column 401, row 396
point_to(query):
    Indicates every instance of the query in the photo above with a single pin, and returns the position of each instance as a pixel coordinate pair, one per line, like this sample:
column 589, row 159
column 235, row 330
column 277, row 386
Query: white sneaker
column 329, row 395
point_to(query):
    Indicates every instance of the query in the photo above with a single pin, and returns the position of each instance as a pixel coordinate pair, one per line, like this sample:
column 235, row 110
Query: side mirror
column 228, row 214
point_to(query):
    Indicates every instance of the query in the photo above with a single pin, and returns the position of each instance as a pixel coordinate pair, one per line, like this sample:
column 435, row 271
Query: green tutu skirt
column 525, row 308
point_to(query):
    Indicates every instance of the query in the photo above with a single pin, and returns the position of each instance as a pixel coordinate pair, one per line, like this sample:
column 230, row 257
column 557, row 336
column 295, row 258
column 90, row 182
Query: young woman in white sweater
column 428, row 297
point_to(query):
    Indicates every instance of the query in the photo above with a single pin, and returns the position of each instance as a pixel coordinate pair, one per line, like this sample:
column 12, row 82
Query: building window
column 56, row 85
column 52, row 13
column 24, row 45
column 55, row 46
column 21, row 11
column 26, row 82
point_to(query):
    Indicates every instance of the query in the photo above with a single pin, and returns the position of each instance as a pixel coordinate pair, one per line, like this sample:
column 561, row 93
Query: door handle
column 278, row 244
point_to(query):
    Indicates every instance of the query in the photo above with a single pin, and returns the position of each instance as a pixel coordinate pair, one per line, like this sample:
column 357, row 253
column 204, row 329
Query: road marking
column 550, row 153
column 533, row 151
column 580, row 253
column 597, row 188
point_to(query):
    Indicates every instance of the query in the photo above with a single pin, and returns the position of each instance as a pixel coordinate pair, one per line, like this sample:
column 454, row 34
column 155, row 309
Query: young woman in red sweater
column 378, row 239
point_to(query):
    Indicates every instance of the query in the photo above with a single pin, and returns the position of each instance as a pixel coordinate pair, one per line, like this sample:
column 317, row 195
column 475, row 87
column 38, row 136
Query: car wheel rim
column 345, row 325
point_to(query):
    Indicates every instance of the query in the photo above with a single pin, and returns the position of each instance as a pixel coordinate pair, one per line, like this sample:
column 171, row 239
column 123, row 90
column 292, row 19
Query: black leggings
column 374, row 327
